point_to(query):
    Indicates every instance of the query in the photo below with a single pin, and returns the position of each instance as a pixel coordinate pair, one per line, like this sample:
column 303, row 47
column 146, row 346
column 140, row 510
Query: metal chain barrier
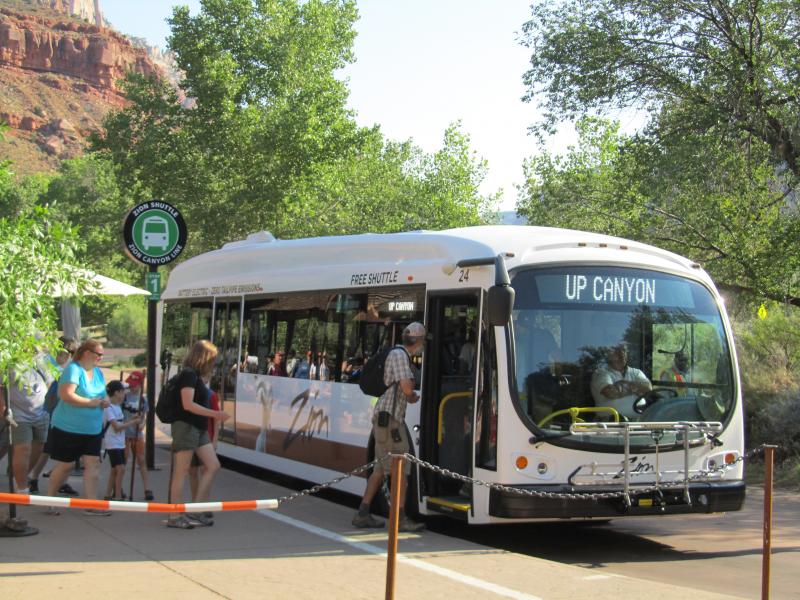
column 60, row 502
column 526, row 492
column 328, row 484
column 577, row 496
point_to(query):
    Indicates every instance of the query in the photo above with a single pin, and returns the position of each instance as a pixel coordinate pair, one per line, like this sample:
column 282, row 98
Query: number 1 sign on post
column 154, row 234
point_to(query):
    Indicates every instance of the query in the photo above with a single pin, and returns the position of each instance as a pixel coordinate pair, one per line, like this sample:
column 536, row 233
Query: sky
column 421, row 65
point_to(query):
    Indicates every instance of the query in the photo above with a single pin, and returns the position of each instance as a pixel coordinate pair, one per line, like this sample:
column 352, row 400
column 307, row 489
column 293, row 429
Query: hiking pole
column 136, row 439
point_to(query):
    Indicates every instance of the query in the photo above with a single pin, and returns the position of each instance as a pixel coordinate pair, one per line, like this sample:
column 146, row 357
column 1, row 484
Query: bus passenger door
column 446, row 417
column 223, row 381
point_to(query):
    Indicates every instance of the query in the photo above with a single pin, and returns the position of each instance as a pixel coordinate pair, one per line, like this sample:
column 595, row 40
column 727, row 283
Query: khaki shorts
column 188, row 437
column 27, row 433
column 385, row 445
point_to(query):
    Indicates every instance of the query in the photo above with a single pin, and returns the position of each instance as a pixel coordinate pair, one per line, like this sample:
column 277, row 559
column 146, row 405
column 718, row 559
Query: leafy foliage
column 389, row 186
column 127, row 327
column 86, row 193
column 38, row 258
column 722, row 205
column 729, row 66
column 769, row 353
column 265, row 140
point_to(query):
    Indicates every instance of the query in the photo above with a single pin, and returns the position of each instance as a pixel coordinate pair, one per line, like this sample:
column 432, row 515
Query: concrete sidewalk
column 305, row 549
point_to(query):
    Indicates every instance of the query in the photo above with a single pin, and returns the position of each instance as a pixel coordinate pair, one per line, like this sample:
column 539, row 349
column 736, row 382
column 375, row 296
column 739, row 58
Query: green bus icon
column 155, row 233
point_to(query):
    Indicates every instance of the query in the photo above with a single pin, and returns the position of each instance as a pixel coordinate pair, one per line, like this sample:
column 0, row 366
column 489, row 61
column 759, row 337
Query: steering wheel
column 645, row 401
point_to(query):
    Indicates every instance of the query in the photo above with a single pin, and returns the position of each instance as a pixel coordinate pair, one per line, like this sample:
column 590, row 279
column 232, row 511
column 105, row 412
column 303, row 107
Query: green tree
column 265, row 108
column 85, row 192
column 38, row 258
column 385, row 186
column 733, row 67
column 259, row 135
column 723, row 206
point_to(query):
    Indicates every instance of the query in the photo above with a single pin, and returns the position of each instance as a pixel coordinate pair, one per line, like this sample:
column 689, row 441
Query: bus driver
column 617, row 385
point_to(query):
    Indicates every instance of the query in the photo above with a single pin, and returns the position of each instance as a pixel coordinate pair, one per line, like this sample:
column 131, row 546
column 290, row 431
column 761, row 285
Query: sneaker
column 16, row 525
column 367, row 521
column 199, row 519
column 406, row 525
column 33, row 486
column 96, row 512
column 148, row 495
column 179, row 523
column 68, row 490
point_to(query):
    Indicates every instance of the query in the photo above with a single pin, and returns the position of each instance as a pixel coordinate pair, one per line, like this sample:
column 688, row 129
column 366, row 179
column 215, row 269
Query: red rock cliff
column 99, row 56
column 59, row 76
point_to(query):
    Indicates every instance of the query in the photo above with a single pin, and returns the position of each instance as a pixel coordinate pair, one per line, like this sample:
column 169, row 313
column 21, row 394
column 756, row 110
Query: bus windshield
column 618, row 344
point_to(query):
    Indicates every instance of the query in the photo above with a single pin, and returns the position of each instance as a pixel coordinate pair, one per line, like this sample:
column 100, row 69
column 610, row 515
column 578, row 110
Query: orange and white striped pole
column 151, row 507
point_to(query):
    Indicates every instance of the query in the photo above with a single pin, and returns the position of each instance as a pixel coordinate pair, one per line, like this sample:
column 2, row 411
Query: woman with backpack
column 62, row 358
column 78, row 421
column 190, row 431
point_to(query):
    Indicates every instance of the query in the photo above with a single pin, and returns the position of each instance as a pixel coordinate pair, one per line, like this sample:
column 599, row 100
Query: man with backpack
column 388, row 421
column 26, row 392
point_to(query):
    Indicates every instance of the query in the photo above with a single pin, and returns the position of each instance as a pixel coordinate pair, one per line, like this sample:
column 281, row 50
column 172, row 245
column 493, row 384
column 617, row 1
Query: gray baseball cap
column 414, row 330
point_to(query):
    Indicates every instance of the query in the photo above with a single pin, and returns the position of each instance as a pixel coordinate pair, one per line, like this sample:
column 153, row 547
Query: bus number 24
column 463, row 275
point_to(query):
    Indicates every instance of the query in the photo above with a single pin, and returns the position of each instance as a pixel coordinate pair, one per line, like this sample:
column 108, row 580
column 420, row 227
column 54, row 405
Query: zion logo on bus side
column 154, row 233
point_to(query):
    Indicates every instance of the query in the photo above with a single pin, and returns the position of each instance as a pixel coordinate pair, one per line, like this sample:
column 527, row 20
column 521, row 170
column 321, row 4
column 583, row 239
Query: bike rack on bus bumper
column 656, row 431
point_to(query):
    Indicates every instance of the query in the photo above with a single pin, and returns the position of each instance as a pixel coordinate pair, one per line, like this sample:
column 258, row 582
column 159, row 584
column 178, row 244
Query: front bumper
column 707, row 497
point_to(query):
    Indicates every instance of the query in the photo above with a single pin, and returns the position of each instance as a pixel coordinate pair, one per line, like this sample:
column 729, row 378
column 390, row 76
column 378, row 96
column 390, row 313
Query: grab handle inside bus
column 501, row 294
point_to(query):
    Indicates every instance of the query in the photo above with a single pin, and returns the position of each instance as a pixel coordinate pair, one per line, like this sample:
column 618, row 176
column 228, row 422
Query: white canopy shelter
column 102, row 286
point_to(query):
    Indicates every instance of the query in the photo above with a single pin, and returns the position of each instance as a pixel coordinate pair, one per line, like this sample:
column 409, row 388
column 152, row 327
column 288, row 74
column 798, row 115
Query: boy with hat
column 135, row 403
column 115, row 437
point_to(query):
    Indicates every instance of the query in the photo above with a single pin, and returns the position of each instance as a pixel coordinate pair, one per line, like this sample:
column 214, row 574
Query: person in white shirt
column 114, row 439
column 617, row 385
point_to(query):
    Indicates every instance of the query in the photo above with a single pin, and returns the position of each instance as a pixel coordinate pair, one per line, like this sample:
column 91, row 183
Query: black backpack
column 371, row 378
column 51, row 397
column 168, row 405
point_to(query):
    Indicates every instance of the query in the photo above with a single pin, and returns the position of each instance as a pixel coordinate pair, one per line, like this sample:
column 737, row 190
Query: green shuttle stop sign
column 154, row 233
column 154, row 285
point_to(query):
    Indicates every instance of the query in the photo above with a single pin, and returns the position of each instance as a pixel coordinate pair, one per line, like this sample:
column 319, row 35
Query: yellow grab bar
column 574, row 411
column 445, row 400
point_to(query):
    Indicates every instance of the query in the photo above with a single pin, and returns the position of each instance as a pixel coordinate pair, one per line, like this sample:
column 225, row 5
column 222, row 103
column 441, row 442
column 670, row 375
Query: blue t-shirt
column 79, row 419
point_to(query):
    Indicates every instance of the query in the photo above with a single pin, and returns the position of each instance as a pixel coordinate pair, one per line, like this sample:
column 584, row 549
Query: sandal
column 200, row 519
column 148, row 495
column 179, row 523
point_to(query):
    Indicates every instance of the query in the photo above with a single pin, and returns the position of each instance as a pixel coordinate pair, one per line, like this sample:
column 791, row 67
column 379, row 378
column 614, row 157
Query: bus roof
column 262, row 264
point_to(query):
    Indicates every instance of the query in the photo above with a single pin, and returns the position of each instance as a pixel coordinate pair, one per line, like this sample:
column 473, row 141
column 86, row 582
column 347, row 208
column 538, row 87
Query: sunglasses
column 97, row 354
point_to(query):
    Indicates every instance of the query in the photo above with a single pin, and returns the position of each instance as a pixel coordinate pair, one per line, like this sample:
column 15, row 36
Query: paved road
column 720, row 553
column 305, row 550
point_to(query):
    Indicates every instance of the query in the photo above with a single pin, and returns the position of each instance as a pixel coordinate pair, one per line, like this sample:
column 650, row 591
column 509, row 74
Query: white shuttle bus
column 520, row 384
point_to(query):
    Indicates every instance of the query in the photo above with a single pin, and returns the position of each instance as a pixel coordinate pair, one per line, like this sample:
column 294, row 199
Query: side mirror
column 499, row 305
column 501, row 294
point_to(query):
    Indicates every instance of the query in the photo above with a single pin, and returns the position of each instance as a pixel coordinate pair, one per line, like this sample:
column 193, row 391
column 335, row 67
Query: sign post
column 155, row 234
